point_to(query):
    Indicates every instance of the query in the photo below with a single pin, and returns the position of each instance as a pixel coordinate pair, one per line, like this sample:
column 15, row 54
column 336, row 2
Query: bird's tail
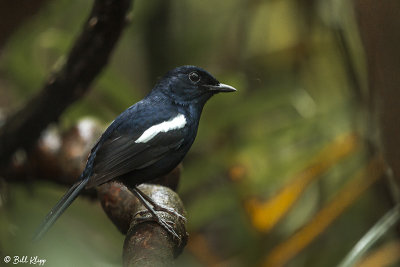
column 60, row 207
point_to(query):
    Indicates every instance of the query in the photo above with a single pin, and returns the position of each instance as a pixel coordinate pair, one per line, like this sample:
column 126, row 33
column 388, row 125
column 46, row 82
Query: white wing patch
column 175, row 123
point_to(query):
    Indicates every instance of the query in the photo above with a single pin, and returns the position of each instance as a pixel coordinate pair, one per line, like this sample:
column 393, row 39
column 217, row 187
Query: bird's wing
column 122, row 154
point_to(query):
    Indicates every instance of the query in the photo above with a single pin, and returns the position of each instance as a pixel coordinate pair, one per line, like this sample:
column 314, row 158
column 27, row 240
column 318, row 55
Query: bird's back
column 147, row 140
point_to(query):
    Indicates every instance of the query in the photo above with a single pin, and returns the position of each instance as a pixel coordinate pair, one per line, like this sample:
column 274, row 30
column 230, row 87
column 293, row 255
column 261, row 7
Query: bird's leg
column 158, row 207
column 145, row 201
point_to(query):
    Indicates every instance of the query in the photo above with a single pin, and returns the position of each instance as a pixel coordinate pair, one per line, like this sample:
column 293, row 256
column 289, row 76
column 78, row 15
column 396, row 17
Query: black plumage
column 149, row 139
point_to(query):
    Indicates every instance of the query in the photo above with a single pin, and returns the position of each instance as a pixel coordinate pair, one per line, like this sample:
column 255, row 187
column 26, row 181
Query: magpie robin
column 147, row 140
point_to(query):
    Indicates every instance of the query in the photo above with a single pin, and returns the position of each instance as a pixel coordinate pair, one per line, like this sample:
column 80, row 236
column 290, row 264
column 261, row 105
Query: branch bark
column 86, row 59
column 146, row 242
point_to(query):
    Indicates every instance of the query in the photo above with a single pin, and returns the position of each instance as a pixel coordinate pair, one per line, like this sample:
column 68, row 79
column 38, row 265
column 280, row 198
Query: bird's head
column 190, row 84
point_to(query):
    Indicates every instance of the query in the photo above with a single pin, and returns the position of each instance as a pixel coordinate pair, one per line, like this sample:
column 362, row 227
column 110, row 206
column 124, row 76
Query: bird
column 147, row 140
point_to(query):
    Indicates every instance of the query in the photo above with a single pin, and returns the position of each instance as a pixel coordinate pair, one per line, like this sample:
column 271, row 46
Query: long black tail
column 60, row 207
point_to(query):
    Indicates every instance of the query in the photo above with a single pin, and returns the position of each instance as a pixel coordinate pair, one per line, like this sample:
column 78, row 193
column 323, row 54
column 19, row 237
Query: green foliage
column 294, row 97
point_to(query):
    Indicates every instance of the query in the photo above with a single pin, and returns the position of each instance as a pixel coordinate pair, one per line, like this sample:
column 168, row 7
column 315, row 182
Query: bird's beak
column 221, row 87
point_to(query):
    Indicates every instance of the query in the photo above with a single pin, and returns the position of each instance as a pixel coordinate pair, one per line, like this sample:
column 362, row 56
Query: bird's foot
column 167, row 225
column 153, row 208
column 158, row 207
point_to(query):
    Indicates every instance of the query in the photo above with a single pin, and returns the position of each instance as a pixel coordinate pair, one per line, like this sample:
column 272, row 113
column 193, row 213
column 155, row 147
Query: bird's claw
column 153, row 208
column 141, row 214
column 164, row 209
column 170, row 211
column 167, row 225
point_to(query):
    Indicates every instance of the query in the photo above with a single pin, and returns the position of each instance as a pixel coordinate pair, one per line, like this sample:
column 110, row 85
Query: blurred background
column 288, row 171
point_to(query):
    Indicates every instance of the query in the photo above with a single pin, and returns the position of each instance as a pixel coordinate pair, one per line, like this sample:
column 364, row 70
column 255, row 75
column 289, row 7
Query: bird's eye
column 194, row 77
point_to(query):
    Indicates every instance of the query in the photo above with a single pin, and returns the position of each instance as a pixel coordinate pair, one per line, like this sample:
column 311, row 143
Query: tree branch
column 86, row 59
column 14, row 13
column 146, row 242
